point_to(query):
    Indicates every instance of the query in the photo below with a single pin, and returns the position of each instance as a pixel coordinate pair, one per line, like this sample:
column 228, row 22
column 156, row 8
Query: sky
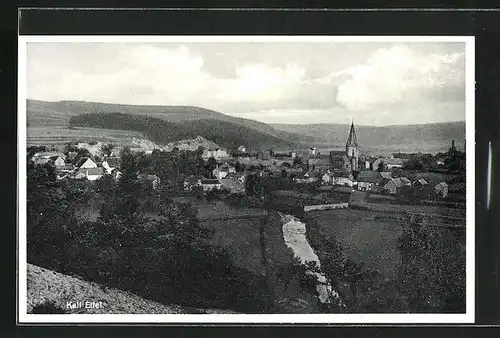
column 373, row 83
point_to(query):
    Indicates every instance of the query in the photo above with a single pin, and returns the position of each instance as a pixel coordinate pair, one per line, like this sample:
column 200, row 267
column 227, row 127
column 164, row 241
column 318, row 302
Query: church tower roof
column 352, row 140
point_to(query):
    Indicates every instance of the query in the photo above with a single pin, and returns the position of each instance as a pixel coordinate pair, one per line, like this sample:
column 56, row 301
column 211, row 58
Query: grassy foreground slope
column 47, row 287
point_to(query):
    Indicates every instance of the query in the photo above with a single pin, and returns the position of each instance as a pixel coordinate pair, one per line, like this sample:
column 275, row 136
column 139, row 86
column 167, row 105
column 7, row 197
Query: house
column 94, row 149
column 369, row 180
column 210, row 184
column 393, row 185
column 441, row 189
column 90, row 174
column 233, row 183
column 58, row 161
column 343, row 179
column 419, row 187
column 312, row 151
column 389, row 162
column 394, row 163
column 340, row 161
column 46, row 157
column 218, row 153
column 321, row 163
column 223, row 170
column 111, row 163
column 87, row 163
column 241, row 177
column 387, row 175
column 242, row 149
column 420, row 182
column 406, row 181
column 308, row 177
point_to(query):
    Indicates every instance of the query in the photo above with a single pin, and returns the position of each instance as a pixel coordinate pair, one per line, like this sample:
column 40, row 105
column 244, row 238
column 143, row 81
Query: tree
column 432, row 275
column 107, row 149
column 381, row 167
column 210, row 166
column 254, row 185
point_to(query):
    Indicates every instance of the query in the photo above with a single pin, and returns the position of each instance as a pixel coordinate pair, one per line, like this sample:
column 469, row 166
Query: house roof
column 393, row 161
column 234, row 175
column 369, row 176
column 83, row 161
column 341, row 174
column 337, row 153
column 386, row 174
column 49, row 154
column 398, row 182
column 210, row 181
column 405, row 180
column 421, row 181
column 324, row 160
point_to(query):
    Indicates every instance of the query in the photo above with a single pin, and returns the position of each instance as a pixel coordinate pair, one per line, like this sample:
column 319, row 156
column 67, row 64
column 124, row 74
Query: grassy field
column 363, row 238
column 47, row 287
column 366, row 236
column 46, row 135
column 241, row 239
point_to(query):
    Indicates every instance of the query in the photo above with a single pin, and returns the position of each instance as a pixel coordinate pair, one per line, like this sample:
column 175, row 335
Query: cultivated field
column 38, row 136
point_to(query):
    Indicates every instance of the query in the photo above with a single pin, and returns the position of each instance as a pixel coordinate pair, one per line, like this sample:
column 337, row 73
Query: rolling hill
column 432, row 137
column 182, row 122
column 226, row 134
column 57, row 114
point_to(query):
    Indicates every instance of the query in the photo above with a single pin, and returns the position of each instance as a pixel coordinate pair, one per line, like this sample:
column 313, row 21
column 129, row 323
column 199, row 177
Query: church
column 341, row 160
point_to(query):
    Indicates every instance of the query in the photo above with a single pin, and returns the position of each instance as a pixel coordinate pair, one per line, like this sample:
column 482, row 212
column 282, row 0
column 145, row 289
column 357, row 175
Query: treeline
column 227, row 134
column 166, row 258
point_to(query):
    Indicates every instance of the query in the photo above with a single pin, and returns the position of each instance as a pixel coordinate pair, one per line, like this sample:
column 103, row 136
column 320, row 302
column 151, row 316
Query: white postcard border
column 468, row 317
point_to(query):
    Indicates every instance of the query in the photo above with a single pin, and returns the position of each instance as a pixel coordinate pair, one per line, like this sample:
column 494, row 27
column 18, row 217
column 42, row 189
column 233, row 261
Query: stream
column 294, row 234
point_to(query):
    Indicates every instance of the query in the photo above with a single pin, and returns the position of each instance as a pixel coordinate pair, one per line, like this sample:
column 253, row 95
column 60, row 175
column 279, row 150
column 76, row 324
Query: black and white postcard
column 246, row 179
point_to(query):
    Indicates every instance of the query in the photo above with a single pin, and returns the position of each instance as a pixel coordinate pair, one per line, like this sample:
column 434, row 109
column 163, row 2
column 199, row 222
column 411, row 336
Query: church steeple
column 352, row 148
column 352, row 140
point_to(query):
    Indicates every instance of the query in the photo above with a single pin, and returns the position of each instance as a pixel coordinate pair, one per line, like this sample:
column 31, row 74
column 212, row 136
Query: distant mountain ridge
column 419, row 137
column 188, row 122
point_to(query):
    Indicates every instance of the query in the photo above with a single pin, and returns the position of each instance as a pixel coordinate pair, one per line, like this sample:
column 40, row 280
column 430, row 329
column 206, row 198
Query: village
column 402, row 176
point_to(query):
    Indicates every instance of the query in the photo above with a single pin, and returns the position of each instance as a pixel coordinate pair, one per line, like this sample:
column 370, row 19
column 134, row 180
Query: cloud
column 395, row 83
column 400, row 76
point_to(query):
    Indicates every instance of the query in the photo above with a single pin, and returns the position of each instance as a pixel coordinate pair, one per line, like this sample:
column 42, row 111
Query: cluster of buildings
column 225, row 176
column 348, row 168
column 85, row 168
column 345, row 167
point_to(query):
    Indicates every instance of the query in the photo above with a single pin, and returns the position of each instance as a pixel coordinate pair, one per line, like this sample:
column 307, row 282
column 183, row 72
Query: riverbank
column 294, row 234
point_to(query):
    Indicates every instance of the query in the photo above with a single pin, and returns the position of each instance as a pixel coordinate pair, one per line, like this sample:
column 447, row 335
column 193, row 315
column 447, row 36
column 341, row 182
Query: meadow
column 369, row 236
column 54, row 136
